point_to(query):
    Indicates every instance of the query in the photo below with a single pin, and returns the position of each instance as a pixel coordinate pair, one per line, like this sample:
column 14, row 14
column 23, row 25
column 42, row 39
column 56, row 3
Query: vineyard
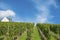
column 28, row 31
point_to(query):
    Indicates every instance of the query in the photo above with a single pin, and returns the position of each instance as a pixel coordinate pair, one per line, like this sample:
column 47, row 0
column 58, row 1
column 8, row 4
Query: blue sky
column 43, row 11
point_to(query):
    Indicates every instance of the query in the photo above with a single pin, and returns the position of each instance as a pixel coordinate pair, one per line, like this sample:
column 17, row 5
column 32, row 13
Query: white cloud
column 44, row 14
column 41, row 19
column 7, row 13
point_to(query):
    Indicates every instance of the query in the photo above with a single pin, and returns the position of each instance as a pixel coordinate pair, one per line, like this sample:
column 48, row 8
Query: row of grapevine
column 29, row 31
column 55, row 28
column 12, row 30
column 48, row 28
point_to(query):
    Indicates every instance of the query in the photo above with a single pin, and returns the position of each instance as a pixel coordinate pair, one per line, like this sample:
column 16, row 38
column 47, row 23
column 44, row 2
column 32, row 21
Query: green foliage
column 29, row 31
column 44, row 28
column 55, row 28
column 15, row 29
column 11, row 29
column 47, row 28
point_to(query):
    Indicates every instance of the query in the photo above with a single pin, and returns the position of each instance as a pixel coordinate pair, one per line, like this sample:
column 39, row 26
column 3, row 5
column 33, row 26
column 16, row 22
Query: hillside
column 27, row 31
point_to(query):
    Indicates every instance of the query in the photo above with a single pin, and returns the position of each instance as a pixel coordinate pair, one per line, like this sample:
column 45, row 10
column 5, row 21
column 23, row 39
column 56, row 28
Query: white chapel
column 5, row 19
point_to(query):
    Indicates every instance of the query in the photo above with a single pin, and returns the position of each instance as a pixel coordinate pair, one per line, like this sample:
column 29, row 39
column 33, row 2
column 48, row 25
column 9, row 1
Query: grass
column 35, row 34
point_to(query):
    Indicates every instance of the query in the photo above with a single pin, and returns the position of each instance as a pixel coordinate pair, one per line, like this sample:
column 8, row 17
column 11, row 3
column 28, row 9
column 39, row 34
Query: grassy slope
column 35, row 34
